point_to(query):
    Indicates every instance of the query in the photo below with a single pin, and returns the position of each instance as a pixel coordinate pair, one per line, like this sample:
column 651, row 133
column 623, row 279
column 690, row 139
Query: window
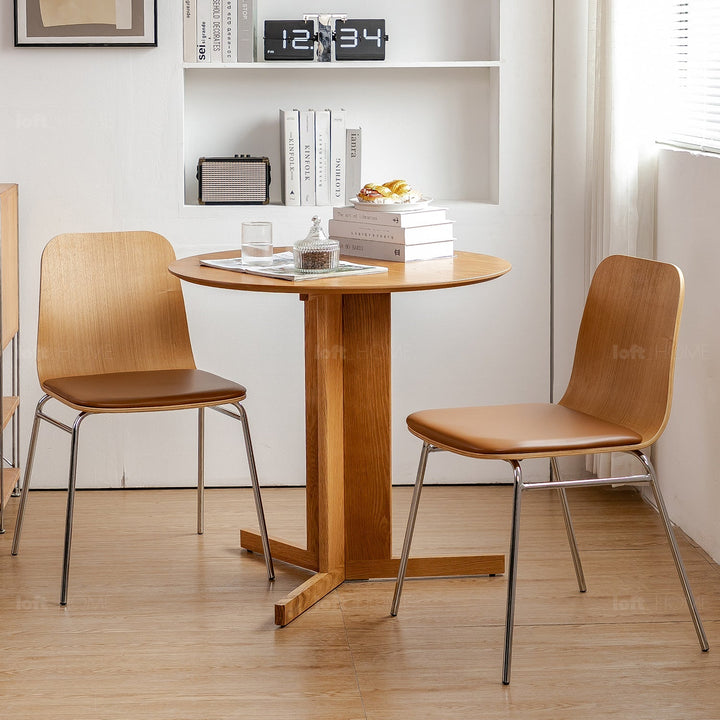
column 692, row 73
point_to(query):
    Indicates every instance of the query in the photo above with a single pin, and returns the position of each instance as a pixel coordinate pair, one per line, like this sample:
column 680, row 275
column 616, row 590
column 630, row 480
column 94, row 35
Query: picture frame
column 85, row 23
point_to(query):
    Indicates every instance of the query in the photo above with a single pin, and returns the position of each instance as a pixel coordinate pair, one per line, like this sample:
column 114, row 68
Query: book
column 283, row 268
column 229, row 30
column 216, row 38
column 322, row 157
column 290, row 156
column 353, row 162
column 307, row 157
column 397, row 252
column 338, row 141
column 246, row 31
column 203, row 32
column 413, row 218
column 189, row 31
column 408, row 236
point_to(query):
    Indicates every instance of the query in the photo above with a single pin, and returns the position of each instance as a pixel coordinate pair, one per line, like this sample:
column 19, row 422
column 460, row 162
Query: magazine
column 284, row 268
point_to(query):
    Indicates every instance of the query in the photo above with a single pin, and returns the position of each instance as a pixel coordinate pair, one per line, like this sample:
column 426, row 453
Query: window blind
column 693, row 75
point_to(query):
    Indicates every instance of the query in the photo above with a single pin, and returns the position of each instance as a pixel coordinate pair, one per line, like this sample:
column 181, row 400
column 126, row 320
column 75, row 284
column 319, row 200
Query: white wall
column 570, row 111
column 94, row 136
column 688, row 235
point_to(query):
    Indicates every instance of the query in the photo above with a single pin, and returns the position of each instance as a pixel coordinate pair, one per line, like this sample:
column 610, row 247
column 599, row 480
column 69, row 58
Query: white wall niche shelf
column 429, row 113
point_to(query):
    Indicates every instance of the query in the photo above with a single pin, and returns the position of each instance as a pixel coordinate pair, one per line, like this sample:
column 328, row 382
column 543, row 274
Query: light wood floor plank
column 165, row 625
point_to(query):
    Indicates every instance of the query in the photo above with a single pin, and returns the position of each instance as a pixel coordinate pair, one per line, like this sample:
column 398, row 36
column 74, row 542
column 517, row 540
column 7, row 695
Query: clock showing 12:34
column 362, row 39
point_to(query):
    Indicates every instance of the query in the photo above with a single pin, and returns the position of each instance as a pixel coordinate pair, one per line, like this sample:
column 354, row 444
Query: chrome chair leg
column 579, row 574
column 201, row 472
column 70, row 505
column 410, row 528
column 672, row 541
column 28, row 474
column 512, row 570
column 256, row 491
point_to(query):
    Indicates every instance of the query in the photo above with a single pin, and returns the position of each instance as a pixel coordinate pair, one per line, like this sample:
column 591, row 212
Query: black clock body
column 289, row 40
column 360, row 40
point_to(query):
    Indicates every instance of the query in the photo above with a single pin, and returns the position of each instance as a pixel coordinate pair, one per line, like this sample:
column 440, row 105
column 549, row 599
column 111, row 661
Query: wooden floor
column 164, row 624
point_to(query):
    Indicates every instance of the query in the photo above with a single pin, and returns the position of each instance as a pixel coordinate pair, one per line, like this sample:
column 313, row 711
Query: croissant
column 391, row 191
column 398, row 187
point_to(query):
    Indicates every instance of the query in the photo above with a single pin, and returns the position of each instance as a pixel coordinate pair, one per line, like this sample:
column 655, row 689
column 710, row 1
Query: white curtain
column 621, row 158
column 623, row 92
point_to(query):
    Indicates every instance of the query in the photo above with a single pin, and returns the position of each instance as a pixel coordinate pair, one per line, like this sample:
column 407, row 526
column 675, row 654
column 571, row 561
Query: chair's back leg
column 512, row 570
column 70, row 505
column 28, row 474
column 679, row 565
column 579, row 574
column 201, row 472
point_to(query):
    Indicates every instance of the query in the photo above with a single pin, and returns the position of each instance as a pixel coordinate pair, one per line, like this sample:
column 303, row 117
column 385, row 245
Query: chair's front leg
column 410, row 527
column 28, row 474
column 201, row 472
column 256, row 491
column 70, row 505
column 512, row 570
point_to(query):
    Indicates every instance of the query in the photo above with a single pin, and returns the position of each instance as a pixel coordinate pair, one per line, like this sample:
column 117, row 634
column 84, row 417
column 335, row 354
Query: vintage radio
column 238, row 180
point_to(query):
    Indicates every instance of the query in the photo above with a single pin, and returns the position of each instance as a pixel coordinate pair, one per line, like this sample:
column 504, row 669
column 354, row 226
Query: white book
column 353, row 162
column 229, row 30
column 386, row 233
column 338, row 118
column 189, row 31
column 290, row 156
column 203, row 31
column 322, row 157
column 246, row 31
column 397, row 252
column 307, row 157
column 412, row 218
column 216, row 36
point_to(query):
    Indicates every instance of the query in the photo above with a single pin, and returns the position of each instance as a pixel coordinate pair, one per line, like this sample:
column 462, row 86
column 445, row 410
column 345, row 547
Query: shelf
column 9, row 406
column 10, row 479
column 429, row 112
column 316, row 66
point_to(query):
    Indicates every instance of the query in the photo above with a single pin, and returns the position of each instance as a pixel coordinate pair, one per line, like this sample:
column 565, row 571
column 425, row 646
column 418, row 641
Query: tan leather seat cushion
column 145, row 390
column 511, row 431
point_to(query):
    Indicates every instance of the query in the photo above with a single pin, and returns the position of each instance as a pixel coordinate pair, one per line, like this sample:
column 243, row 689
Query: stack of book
column 320, row 157
column 402, row 236
column 216, row 31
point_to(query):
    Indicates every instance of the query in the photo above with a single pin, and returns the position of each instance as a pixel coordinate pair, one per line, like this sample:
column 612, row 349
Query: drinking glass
column 257, row 243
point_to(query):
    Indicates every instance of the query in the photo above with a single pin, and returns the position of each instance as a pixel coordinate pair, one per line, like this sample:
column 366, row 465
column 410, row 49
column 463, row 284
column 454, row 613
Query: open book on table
column 283, row 268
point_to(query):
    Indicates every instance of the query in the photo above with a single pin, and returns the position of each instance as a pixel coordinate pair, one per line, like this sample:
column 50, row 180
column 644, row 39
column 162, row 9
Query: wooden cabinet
column 9, row 353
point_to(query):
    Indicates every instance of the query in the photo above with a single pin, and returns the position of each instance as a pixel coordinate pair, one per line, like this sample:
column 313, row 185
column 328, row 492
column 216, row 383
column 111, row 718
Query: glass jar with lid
column 316, row 253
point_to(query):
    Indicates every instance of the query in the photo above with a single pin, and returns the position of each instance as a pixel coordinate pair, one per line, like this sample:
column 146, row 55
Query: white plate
column 391, row 207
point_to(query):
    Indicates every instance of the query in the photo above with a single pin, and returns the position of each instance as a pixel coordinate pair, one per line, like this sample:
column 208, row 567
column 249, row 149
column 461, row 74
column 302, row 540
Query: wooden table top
column 464, row 268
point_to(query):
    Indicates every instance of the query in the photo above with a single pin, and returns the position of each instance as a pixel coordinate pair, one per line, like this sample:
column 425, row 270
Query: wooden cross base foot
column 322, row 583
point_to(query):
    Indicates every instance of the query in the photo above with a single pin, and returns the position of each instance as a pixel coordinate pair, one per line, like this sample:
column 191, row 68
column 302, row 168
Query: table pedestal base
column 348, row 457
column 322, row 583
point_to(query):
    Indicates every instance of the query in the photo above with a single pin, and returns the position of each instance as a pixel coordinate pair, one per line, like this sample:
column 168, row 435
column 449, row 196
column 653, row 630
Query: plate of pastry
column 392, row 196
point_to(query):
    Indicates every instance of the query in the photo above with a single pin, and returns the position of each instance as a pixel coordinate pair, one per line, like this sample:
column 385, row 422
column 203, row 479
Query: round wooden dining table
column 348, row 419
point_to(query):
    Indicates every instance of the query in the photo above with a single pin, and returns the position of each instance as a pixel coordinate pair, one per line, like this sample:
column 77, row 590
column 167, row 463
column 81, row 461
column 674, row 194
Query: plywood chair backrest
column 108, row 304
column 625, row 353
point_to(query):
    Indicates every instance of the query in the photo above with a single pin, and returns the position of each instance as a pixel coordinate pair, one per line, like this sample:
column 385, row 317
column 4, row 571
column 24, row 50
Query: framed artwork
column 86, row 23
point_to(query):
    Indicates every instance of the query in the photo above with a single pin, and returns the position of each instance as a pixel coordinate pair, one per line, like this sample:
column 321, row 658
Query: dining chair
column 617, row 400
column 113, row 338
